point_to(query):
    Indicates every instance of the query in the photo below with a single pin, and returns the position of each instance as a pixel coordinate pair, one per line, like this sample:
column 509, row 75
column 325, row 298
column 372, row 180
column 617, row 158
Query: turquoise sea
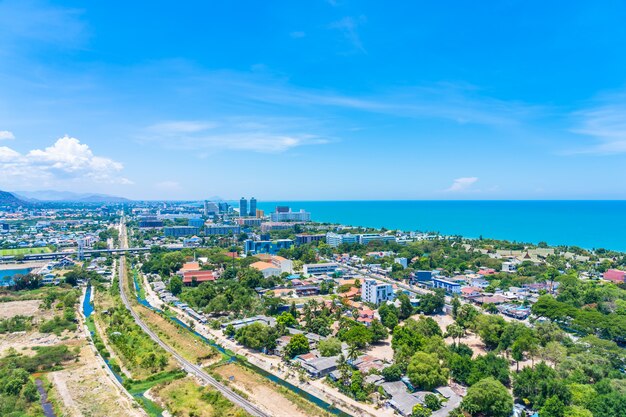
column 588, row 224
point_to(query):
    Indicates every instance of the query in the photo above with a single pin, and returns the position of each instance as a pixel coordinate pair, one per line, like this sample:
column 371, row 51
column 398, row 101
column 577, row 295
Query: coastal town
column 222, row 308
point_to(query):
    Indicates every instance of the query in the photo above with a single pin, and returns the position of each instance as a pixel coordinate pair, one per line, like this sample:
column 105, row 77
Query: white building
column 335, row 239
column 291, row 216
column 402, row 261
column 319, row 269
column 371, row 237
column 376, row 292
column 509, row 267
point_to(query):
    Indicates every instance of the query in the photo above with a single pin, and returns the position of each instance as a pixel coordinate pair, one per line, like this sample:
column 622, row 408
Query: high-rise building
column 252, row 207
column 375, row 292
column 243, row 207
column 260, row 213
column 282, row 209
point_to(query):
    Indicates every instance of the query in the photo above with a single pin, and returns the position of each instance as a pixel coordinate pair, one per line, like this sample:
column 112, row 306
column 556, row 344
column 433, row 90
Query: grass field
column 24, row 251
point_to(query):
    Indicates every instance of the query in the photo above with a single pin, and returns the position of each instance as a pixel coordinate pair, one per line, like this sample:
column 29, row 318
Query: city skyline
column 336, row 101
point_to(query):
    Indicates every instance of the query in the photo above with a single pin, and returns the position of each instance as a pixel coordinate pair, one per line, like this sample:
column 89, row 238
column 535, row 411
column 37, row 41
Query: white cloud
column 349, row 27
column 606, row 123
column 168, row 185
column 264, row 136
column 5, row 134
column 297, row 34
column 66, row 160
column 462, row 184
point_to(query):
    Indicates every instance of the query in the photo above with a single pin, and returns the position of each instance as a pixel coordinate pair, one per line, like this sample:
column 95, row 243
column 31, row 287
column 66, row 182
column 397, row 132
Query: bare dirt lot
column 20, row 308
column 24, row 341
column 85, row 389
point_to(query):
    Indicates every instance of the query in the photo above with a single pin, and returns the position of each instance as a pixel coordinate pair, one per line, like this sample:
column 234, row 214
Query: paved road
column 187, row 366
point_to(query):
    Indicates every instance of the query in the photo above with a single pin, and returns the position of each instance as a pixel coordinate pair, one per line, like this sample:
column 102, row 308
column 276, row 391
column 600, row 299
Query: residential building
column 252, row 212
column 615, row 275
column 364, row 239
column 423, row 276
column 319, row 269
column 243, row 207
column 402, row 261
column 336, row 239
column 448, row 285
column 291, row 216
column 210, row 209
column 248, row 221
column 148, row 222
column 266, row 246
column 304, row 239
column 179, row 231
column 320, row 367
column 222, row 229
column 269, row 226
column 509, row 267
column 260, row 213
column 196, row 222
column 376, row 292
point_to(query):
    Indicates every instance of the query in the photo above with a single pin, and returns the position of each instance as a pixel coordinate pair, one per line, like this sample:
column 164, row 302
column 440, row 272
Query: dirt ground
column 22, row 342
column 260, row 391
column 85, row 389
column 382, row 350
column 20, row 308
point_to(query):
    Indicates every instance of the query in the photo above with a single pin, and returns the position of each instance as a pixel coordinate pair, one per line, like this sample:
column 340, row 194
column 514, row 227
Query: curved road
column 186, row 365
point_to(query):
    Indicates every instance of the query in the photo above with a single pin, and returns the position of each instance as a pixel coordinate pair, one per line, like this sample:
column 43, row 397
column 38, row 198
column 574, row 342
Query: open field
column 20, row 308
column 188, row 345
column 24, row 251
column 279, row 401
column 186, row 398
column 85, row 389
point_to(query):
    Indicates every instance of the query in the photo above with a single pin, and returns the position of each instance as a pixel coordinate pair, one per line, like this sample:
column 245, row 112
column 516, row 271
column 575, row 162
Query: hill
column 68, row 196
column 8, row 199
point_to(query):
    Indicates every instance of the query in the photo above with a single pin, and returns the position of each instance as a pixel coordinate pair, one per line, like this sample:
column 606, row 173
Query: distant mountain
column 53, row 195
column 8, row 199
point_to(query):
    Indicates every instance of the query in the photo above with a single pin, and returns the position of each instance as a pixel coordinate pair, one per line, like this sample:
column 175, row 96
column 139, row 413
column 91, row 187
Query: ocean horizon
column 590, row 224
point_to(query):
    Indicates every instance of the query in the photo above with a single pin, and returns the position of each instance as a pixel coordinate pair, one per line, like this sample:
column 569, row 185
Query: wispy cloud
column 348, row 26
column 6, row 135
column 236, row 134
column 297, row 34
column 606, row 123
column 67, row 159
column 461, row 184
column 39, row 22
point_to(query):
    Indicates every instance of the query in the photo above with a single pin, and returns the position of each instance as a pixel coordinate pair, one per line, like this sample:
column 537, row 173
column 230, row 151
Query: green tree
column 488, row 397
column 553, row 407
column 421, row 411
column 298, row 345
column 176, row 285
column 329, row 347
column 426, row 372
column 392, row 373
column 432, row 401
column 379, row 332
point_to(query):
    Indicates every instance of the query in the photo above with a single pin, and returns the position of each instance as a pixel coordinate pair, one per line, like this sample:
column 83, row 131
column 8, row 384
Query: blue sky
column 315, row 100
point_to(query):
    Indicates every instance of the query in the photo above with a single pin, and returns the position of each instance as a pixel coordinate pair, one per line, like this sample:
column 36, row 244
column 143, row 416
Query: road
column 186, row 365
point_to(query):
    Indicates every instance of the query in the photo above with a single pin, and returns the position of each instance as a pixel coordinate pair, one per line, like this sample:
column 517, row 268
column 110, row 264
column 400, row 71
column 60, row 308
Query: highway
column 186, row 365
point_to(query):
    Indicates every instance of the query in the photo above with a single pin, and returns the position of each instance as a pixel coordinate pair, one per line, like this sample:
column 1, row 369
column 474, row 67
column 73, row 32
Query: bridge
column 57, row 255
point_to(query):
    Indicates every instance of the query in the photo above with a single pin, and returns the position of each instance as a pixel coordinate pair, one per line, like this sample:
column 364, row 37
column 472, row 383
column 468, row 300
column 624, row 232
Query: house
column 615, row 275
column 470, row 291
column 320, row 367
column 404, row 402
column 266, row 268
column 365, row 316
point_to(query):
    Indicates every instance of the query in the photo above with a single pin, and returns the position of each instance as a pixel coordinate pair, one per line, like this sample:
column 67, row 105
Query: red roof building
column 198, row 276
column 615, row 275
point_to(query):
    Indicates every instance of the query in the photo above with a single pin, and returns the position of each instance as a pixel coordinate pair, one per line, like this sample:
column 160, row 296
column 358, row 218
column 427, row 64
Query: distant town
column 172, row 308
